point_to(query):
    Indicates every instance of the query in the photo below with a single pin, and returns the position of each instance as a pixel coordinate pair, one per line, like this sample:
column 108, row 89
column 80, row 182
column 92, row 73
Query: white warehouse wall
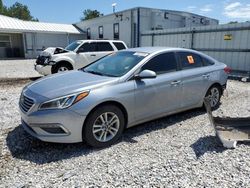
column 34, row 43
column 149, row 19
column 108, row 23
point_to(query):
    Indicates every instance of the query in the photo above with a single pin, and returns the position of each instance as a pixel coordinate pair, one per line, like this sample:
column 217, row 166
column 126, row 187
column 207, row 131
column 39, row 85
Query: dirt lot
column 23, row 68
column 176, row 151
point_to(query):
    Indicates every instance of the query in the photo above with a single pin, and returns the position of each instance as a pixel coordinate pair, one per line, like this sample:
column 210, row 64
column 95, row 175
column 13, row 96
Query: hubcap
column 63, row 69
column 214, row 96
column 106, row 127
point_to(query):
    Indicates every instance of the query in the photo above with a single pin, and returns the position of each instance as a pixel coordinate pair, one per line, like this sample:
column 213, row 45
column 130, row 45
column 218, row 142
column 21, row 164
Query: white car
column 77, row 55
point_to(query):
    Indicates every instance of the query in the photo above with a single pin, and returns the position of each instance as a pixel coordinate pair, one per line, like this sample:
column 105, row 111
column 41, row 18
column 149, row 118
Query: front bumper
column 44, row 70
column 60, row 126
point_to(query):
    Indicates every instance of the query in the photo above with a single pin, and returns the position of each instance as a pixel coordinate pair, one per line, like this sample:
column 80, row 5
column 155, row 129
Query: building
column 228, row 43
column 26, row 39
column 128, row 24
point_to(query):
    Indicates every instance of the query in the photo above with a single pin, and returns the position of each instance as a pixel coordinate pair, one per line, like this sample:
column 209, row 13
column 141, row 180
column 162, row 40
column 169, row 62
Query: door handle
column 92, row 55
column 206, row 76
column 175, row 82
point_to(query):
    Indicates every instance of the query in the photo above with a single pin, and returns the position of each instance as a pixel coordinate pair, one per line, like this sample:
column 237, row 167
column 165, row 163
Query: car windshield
column 116, row 64
column 73, row 46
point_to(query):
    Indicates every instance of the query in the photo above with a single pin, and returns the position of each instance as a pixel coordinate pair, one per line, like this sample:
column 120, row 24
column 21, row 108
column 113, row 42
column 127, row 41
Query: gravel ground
column 176, row 151
column 17, row 69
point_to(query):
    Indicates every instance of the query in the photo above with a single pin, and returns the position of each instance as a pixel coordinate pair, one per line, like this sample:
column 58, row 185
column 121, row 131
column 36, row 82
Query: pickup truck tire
column 61, row 67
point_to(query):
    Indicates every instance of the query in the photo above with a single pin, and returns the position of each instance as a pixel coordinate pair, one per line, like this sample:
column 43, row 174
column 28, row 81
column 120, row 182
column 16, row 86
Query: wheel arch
column 216, row 84
column 62, row 62
column 110, row 102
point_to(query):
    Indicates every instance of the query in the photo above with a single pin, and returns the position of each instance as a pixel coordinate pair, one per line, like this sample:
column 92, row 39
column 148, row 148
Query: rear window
column 189, row 60
column 104, row 46
column 119, row 45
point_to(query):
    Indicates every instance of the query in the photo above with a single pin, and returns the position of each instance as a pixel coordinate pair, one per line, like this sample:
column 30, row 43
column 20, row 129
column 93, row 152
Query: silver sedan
column 96, row 103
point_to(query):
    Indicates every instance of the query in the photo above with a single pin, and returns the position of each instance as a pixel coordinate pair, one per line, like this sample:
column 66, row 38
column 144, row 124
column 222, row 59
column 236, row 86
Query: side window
column 87, row 47
column 119, row 45
column 207, row 62
column 162, row 63
column 189, row 60
column 104, row 46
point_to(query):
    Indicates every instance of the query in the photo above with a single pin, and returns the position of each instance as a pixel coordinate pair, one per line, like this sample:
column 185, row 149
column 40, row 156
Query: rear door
column 162, row 94
column 195, row 78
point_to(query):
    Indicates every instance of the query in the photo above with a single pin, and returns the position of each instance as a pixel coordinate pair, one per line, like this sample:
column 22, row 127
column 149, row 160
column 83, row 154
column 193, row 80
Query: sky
column 70, row 11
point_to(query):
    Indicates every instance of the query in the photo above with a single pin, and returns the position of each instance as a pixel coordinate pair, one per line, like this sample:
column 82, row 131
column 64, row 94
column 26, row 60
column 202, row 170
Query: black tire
column 88, row 129
column 58, row 67
column 214, row 100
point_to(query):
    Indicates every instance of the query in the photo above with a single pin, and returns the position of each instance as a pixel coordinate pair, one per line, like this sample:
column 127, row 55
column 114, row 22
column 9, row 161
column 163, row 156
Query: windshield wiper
column 94, row 72
column 98, row 73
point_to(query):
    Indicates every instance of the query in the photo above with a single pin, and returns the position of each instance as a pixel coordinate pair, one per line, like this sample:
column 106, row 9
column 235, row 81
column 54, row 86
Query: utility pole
column 114, row 6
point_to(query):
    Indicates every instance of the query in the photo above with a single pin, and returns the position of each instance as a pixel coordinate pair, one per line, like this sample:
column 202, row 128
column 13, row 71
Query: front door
column 160, row 95
column 87, row 53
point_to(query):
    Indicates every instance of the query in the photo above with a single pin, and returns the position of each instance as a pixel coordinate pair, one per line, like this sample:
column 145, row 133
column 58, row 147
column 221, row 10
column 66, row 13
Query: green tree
column 20, row 11
column 17, row 10
column 90, row 14
column 1, row 6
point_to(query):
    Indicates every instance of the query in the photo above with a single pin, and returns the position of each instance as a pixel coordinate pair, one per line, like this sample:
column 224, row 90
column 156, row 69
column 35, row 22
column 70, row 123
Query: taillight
column 227, row 70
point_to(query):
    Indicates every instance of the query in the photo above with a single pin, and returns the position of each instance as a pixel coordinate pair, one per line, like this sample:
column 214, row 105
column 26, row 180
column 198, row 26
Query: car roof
column 151, row 50
column 100, row 40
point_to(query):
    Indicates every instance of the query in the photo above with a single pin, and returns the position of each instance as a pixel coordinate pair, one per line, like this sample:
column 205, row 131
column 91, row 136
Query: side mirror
column 79, row 50
column 146, row 74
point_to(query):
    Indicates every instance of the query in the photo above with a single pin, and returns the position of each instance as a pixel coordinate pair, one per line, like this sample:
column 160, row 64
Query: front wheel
column 214, row 95
column 104, row 126
column 61, row 67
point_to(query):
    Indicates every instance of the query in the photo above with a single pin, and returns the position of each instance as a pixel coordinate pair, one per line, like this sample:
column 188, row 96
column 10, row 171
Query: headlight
column 63, row 102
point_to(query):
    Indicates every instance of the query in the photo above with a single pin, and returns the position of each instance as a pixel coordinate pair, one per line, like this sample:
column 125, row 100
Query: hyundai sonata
column 96, row 103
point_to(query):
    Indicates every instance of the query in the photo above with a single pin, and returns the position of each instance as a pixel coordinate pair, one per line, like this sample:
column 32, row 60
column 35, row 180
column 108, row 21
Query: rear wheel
column 214, row 95
column 104, row 126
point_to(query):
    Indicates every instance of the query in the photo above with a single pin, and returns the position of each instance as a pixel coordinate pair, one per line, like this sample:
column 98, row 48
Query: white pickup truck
column 78, row 54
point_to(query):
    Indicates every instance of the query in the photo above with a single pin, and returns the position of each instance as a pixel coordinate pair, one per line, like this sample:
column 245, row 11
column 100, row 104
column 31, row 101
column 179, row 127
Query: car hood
column 53, row 51
column 61, row 84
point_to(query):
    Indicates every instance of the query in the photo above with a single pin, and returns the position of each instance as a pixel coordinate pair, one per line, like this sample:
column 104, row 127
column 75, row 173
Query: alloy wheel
column 214, row 96
column 106, row 127
column 63, row 69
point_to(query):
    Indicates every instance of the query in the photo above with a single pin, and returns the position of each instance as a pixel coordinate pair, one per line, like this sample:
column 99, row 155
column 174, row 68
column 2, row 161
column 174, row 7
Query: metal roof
column 8, row 24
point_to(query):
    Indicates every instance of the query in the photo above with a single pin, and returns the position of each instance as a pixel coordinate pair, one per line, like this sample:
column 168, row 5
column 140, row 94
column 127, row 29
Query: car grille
column 26, row 103
column 40, row 60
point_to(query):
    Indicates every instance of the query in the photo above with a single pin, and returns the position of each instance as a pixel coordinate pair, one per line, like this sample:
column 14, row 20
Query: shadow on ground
column 207, row 144
column 23, row 146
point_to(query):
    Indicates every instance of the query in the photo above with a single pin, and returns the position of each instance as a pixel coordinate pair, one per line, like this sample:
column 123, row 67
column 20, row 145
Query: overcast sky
column 70, row 11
